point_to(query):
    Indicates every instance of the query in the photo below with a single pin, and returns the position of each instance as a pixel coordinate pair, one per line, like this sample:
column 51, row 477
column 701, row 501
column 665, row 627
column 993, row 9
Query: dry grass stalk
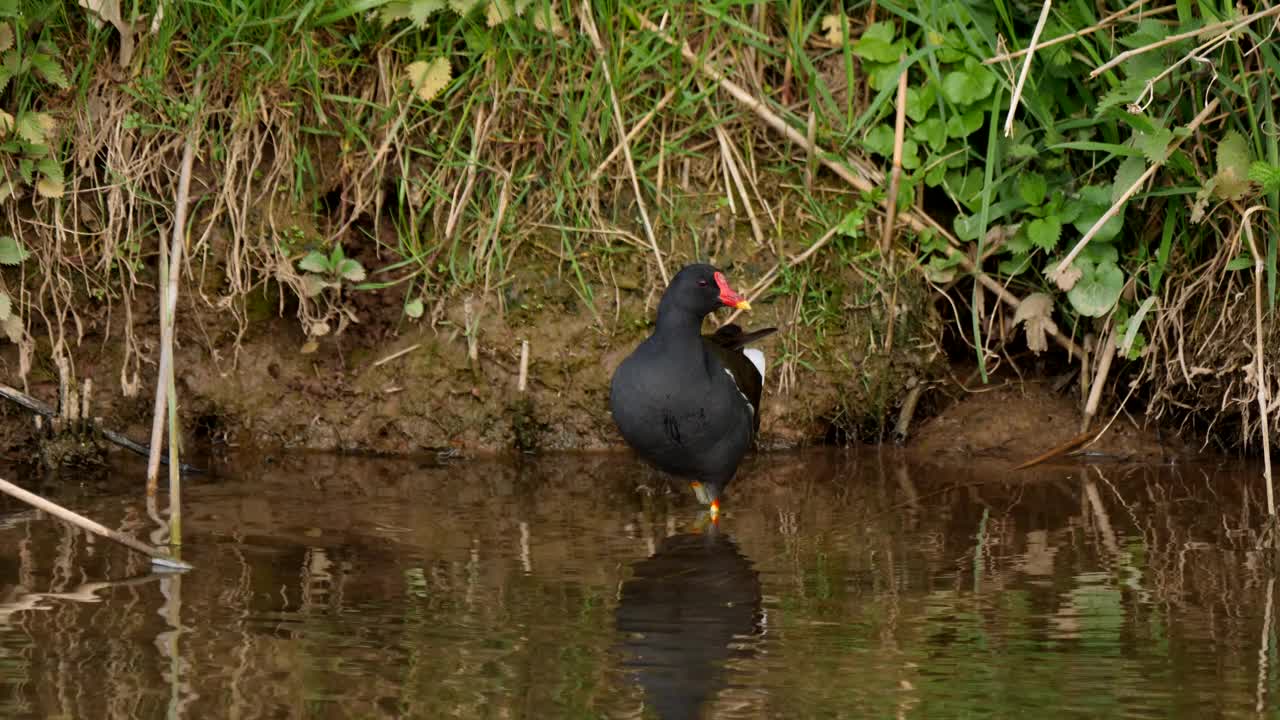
column 1226, row 26
column 635, row 130
column 891, row 205
column 522, row 381
column 1119, row 203
column 1102, row 24
column 589, row 25
column 1260, row 369
column 1026, row 68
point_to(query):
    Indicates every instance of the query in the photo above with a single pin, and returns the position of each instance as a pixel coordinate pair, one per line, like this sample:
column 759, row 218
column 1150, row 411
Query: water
column 858, row 585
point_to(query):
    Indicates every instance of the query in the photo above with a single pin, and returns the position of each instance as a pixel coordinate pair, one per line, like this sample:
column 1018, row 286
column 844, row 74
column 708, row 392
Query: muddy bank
column 391, row 385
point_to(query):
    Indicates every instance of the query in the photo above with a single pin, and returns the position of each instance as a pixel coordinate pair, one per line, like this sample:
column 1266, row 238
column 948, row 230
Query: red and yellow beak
column 728, row 296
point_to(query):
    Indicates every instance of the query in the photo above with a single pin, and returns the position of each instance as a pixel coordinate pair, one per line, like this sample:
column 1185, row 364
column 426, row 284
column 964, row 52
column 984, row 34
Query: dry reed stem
column 1102, row 24
column 731, row 165
column 84, row 523
column 1111, row 212
column 1260, row 368
column 1026, row 68
column 891, row 205
column 169, row 309
column 866, row 182
column 1227, row 26
column 589, row 25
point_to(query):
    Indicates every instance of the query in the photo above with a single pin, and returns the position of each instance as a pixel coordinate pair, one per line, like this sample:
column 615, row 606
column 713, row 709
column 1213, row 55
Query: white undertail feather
column 756, row 357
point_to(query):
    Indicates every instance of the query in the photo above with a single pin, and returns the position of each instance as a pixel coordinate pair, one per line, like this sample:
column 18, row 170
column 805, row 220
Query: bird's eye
column 702, row 283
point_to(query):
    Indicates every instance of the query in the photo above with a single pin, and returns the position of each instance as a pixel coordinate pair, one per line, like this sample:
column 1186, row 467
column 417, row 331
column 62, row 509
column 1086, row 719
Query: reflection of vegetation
column 412, row 592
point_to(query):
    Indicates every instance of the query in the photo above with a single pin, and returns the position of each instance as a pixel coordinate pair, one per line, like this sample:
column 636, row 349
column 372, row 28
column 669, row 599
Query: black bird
column 683, row 615
column 689, row 403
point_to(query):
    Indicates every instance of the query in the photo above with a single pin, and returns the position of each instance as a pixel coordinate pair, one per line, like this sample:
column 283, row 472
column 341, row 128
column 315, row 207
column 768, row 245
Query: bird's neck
column 676, row 323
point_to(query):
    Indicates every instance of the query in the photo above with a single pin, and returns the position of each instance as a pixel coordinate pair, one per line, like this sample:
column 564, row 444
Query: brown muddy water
column 838, row 585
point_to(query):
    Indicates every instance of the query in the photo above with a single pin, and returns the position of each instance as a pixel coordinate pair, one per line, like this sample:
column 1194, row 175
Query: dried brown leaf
column 1036, row 313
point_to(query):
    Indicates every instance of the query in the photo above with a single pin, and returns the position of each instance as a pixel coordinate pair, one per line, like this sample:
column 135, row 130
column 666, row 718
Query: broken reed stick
column 918, row 221
column 522, row 382
column 1026, row 68
column 1099, row 379
column 589, row 25
column 1260, row 368
column 1056, row 273
column 42, row 410
column 1062, row 449
column 157, row 556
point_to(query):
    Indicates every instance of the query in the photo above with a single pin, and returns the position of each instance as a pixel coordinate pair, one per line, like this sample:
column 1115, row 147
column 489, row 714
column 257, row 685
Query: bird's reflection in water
column 686, row 612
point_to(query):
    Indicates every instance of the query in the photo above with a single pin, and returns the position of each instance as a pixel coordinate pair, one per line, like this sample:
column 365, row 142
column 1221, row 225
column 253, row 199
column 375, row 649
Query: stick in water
column 157, row 557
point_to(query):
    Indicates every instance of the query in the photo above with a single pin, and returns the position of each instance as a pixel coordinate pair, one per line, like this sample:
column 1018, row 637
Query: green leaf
column 959, row 126
column 49, row 69
column 1016, row 264
column 30, row 128
column 1032, row 188
column 1155, row 144
column 968, row 86
column 920, row 101
column 881, row 76
column 1145, row 33
column 1127, row 174
column 1233, row 167
column 1240, row 263
column 1045, row 232
column 314, row 262
column 851, row 224
column 415, row 11
column 1266, row 175
column 11, row 251
column 50, row 168
column 5, row 305
column 351, row 270
column 1098, row 288
column 1085, row 210
column 414, row 308
column 877, row 45
column 880, row 140
column 932, row 131
column 910, row 155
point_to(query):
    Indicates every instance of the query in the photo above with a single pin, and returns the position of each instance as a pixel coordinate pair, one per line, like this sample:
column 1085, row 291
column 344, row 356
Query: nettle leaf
column 960, row 126
column 1155, row 144
column 880, row 140
column 314, row 262
column 415, row 11
column 1015, row 264
column 6, row 37
column 920, row 101
column 11, row 251
column 1128, row 173
column 968, row 86
column 1233, row 167
column 1145, row 33
column 30, row 128
column 1045, row 232
column 1032, row 187
column 1098, row 288
column 49, row 69
column 5, row 305
column 1266, row 175
column 50, row 168
column 429, row 79
column 49, row 187
column 932, row 131
column 877, row 45
column 351, row 270
column 12, row 326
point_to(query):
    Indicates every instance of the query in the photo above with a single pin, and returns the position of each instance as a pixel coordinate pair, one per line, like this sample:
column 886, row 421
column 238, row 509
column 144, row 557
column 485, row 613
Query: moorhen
column 689, row 403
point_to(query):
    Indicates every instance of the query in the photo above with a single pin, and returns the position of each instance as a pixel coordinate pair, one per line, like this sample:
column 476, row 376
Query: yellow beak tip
column 743, row 305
